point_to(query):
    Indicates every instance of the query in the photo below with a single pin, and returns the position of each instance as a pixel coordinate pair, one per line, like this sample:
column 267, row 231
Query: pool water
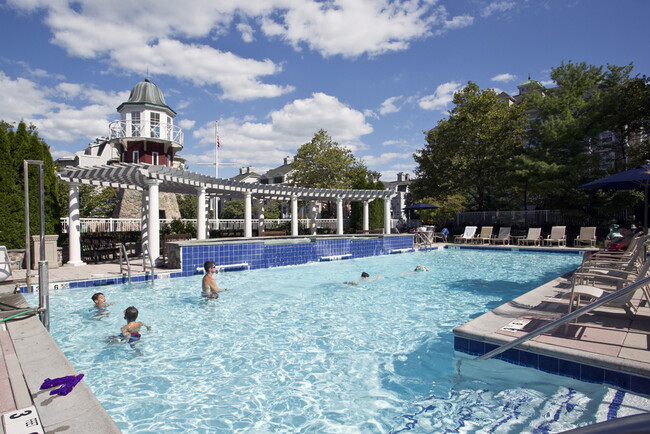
column 296, row 350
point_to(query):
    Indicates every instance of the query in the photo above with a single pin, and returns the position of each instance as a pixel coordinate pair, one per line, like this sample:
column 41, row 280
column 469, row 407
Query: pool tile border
column 557, row 366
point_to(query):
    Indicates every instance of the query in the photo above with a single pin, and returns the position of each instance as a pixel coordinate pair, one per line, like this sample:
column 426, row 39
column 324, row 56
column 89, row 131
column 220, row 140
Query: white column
column 366, row 216
column 74, row 228
column 260, row 217
column 387, row 216
column 401, row 204
column 339, row 215
column 248, row 225
column 201, row 229
column 144, row 217
column 154, row 218
column 313, row 210
column 294, row 216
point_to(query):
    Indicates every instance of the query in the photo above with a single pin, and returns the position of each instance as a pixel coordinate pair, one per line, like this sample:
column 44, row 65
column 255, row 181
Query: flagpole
column 216, row 170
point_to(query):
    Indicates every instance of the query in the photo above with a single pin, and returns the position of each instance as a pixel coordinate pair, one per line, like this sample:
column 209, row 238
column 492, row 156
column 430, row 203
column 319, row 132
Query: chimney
column 288, row 160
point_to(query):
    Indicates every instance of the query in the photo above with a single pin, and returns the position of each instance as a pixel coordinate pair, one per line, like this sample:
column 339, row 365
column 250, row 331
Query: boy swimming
column 130, row 333
column 100, row 303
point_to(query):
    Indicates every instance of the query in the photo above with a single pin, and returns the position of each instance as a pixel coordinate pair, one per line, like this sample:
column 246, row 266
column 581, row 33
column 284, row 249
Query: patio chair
column 587, row 236
column 616, row 255
column 5, row 264
column 534, row 237
column 467, row 236
column 557, row 236
column 485, row 236
column 503, row 237
column 603, row 285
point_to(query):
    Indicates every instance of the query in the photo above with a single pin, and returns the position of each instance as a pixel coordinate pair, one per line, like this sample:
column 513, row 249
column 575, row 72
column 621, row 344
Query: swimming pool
column 294, row 349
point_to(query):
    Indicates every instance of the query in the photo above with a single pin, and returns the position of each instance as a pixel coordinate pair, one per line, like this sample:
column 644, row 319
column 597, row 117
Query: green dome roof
column 147, row 93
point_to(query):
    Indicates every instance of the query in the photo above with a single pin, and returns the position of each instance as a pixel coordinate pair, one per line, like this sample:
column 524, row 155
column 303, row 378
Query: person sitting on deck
column 621, row 241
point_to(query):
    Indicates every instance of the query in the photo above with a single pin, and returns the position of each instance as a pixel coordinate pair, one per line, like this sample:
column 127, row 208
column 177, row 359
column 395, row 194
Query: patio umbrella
column 420, row 206
column 633, row 179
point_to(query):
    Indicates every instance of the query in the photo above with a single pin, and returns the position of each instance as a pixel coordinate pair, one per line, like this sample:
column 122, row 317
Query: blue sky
column 374, row 74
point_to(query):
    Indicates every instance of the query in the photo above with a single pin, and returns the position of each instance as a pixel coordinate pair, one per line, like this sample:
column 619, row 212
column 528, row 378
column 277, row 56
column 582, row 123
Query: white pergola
column 151, row 180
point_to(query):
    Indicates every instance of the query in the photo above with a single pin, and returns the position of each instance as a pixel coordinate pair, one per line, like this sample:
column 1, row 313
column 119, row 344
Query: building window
column 135, row 124
column 154, row 158
column 155, row 124
column 136, row 156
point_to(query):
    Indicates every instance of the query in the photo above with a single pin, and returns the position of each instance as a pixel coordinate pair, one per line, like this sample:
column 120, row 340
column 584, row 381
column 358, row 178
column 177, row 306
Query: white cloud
column 388, row 106
column 505, row 78
column 351, row 28
column 497, row 7
column 548, row 83
column 458, row 22
column 55, row 112
column 246, row 32
column 443, row 95
column 251, row 142
column 185, row 124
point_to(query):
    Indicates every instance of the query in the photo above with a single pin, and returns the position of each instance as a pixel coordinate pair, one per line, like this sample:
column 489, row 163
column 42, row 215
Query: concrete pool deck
column 605, row 338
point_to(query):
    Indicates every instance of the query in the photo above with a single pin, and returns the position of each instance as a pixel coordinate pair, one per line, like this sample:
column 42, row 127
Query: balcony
column 150, row 130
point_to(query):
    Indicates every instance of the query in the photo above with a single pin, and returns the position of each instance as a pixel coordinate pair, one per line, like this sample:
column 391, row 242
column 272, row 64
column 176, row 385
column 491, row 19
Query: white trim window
column 136, row 156
column 154, row 158
column 135, row 124
column 155, row 124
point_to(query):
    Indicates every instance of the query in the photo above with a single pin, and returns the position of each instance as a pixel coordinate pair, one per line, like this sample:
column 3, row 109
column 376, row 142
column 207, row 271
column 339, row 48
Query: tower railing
column 148, row 129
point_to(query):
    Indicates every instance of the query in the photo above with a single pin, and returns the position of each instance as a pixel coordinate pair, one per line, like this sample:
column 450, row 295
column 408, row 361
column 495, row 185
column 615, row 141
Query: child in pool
column 131, row 331
column 100, row 303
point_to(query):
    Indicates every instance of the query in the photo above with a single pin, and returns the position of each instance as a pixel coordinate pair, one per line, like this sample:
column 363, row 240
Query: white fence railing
column 126, row 225
column 121, row 129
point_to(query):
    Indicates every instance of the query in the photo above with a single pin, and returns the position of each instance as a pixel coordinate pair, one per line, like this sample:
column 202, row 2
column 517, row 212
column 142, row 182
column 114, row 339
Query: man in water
column 209, row 286
column 365, row 277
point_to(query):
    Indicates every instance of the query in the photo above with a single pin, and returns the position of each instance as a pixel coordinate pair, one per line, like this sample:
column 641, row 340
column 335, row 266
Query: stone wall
column 130, row 201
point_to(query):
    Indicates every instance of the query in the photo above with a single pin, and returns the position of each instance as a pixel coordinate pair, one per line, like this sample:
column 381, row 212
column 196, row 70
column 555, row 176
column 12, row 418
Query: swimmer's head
column 208, row 265
column 421, row 268
column 364, row 274
column 131, row 314
column 96, row 297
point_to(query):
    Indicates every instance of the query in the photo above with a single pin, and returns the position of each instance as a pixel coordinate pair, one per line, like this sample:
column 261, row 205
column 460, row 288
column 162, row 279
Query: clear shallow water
column 293, row 349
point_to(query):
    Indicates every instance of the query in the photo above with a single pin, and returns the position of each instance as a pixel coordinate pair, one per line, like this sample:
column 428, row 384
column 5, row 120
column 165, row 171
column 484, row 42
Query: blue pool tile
column 617, row 379
column 569, row 369
column 640, row 384
column 528, row 359
column 592, row 374
column 476, row 347
column 461, row 344
column 548, row 364
column 511, row 355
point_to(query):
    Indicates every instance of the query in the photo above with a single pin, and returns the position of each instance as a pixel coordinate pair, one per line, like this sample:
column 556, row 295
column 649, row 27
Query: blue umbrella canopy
column 633, row 179
column 421, row 205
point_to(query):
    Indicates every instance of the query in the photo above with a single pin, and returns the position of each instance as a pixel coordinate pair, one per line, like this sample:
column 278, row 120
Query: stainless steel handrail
column 128, row 264
column 566, row 318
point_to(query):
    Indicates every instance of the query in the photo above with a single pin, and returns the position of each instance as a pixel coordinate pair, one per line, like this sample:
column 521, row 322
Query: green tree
column 233, row 209
column 375, row 207
column 471, row 151
column 187, row 205
column 96, row 201
column 323, row 163
column 22, row 143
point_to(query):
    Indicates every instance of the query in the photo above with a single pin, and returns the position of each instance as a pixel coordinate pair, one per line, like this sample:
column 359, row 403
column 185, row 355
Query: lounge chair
column 603, row 285
column 534, row 237
column 485, row 236
column 5, row 264
column 467, row 236
column 587, row 236
column 557, row 236
column 503, row 237
column 616, row 255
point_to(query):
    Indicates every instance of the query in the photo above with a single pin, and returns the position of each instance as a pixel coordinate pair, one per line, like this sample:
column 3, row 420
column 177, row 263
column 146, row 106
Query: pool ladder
column 124, row 257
